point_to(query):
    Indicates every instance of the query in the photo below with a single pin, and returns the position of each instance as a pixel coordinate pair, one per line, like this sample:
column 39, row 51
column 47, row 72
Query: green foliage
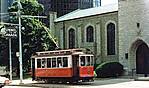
column 3, row 52
column 35, row 35
column 109, row 69
column 96, row 65
column 95, row 75
column 29, row 7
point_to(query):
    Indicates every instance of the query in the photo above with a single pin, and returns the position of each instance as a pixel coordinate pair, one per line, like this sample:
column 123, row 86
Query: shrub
column 109, row 69
column 95, row 75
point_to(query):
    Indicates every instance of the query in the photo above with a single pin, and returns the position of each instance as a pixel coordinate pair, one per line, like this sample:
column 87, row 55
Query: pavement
column 24, row 82
column 98, row 82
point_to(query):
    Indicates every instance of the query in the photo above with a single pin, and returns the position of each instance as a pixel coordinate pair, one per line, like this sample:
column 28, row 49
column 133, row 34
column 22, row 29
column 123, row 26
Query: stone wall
column 99, row 22
column 133, row 29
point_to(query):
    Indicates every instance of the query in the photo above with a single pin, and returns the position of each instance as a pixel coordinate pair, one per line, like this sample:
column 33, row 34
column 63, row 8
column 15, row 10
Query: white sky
column 106, row 2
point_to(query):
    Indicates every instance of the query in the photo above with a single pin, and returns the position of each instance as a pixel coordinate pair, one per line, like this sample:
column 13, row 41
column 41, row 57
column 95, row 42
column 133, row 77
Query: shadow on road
column 110, row 81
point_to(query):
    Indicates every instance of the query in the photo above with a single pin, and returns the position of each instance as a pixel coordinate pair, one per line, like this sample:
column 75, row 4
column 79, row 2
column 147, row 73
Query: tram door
column 33, row 69
column 75, row 65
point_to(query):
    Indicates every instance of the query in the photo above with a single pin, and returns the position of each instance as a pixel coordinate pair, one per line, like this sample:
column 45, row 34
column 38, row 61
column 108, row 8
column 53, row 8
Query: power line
column 7, row 23
column 7, row 13
column 27, row 16
column 30, row 16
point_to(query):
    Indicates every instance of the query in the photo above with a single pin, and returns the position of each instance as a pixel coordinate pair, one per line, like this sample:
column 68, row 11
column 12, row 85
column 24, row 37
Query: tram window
column 49, row 62
column 65, row 62
column 59, row 62
column 88, row 61
column 43, row 64
column 38, row 63
column 82, row 60
column 53, row 62
column 92, row 60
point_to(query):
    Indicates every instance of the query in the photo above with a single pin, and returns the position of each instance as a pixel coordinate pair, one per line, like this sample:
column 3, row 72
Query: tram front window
column 82, row 60
column 92, row 60
column 88, row 61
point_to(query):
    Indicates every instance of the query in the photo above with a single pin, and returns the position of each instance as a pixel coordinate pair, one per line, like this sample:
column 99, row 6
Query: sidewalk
column 24, row 82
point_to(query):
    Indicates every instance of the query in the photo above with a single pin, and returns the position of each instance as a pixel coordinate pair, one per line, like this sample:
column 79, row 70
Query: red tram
column 72, row 65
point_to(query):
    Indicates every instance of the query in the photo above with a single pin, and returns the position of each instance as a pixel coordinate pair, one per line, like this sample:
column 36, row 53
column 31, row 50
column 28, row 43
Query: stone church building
column 134, row 34
column 116, row 32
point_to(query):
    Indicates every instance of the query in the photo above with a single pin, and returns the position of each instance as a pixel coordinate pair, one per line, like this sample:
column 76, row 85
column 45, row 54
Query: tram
column 71, row 65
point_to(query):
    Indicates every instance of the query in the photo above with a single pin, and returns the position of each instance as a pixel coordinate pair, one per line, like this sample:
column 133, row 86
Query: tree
column 35, row 36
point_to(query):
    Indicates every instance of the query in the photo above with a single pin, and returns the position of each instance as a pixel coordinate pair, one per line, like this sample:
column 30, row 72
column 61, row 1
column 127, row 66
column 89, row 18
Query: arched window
column 89, row 34
column 71, row 38
column 111, row 39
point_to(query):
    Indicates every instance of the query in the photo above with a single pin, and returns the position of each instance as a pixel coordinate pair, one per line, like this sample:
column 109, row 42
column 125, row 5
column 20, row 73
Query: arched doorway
column 142, row 59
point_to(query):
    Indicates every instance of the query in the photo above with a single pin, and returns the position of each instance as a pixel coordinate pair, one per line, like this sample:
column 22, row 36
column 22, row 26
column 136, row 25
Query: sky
column 106, row 2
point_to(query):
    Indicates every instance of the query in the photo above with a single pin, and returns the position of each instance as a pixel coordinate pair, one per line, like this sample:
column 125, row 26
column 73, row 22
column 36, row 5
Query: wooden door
column 142, row 59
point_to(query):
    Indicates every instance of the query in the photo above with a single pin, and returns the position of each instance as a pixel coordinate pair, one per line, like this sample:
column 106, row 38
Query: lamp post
column 10, row 59
column 20, row 42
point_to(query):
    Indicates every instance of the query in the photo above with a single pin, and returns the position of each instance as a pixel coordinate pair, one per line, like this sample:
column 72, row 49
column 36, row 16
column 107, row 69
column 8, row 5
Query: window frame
column 89, row 33
column 71, row 38
column 111, row 37
column 91, row 58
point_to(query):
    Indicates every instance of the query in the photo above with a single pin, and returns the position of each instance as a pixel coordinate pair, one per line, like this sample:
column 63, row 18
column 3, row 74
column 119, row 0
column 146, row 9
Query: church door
column 142, row 59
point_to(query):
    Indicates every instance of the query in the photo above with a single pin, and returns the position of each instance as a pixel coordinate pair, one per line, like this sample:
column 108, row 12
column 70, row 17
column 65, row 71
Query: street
column 104, row 83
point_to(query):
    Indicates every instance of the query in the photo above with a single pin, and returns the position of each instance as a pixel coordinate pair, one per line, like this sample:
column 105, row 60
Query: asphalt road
column 104, row 83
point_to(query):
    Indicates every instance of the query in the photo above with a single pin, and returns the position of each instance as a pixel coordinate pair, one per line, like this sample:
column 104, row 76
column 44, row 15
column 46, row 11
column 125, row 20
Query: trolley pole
column 20, row 42
column 10, row 59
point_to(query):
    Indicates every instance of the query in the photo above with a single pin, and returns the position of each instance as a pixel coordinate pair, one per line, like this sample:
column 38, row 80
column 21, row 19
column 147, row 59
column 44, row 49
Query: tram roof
column 61, row 52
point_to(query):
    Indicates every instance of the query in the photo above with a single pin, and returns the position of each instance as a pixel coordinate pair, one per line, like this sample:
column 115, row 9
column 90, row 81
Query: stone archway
column 139, row 57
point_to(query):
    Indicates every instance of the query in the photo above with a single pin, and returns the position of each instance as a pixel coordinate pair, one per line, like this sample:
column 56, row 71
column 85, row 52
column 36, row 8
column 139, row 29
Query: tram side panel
column 54, row 72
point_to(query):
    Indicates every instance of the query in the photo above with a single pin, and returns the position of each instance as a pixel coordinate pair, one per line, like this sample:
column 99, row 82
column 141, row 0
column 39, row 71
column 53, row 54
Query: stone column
column 79, row 36
column 52, row 17
column 61, row 38
column 97, row 42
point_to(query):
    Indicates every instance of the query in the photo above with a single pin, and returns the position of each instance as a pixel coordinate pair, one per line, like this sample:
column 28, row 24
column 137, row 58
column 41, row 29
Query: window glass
column 71, row 38
column 65, row 62
column 82, row 60
column 89, row 34
column 38, row 63
column 49, row 62
column 43, row 63
column 59, row 62
column 92, row 60
column 88, row 61
column 111, row 39
column 53, row 62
